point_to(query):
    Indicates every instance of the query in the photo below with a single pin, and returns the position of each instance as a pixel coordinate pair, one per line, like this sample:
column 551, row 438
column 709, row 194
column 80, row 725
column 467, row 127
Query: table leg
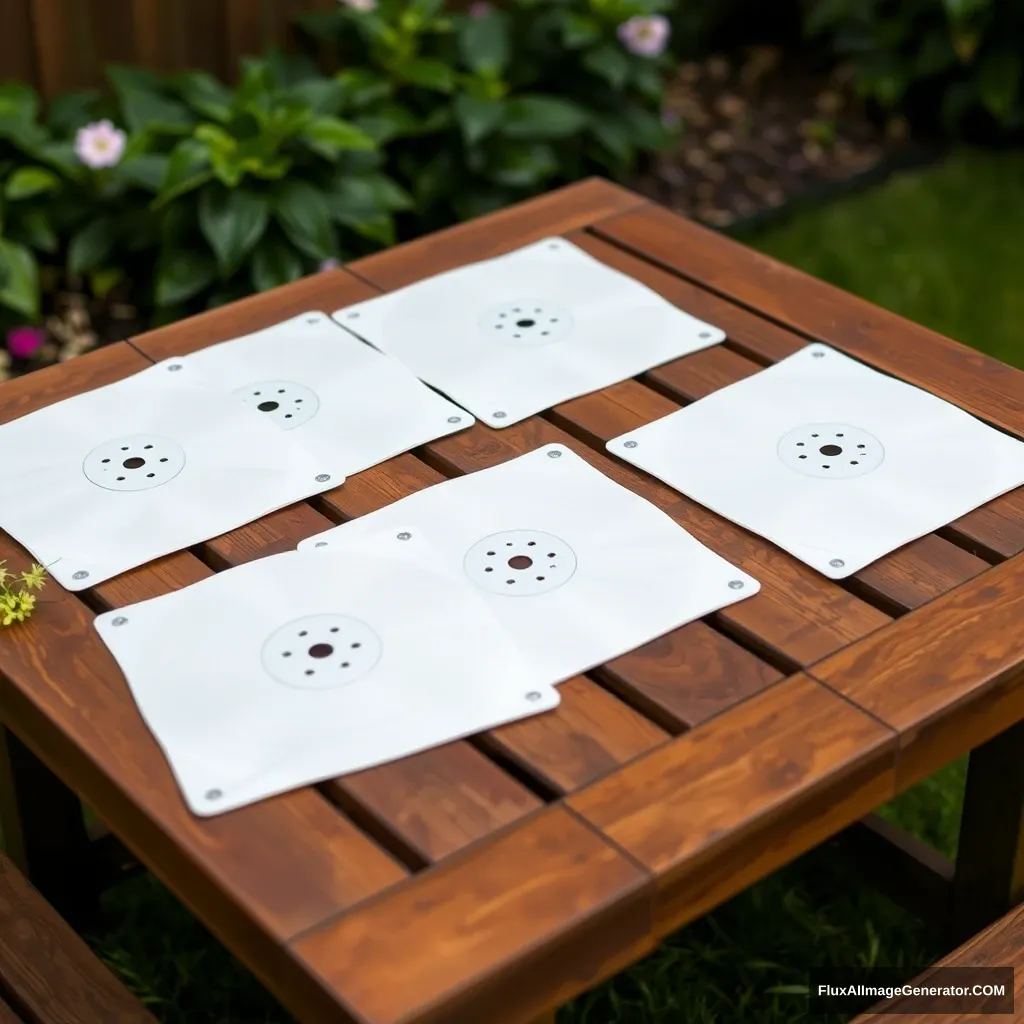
column 989, row 876
column 44, row 833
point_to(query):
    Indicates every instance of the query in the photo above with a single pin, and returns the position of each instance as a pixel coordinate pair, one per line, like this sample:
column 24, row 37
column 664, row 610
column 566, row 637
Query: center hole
column 133, row 463
column 830, row 449
column 525, row 323
column 267, row 406
column 520, row 562
column 321, row 651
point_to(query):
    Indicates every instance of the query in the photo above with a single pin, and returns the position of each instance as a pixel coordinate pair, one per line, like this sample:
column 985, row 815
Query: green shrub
column 967, row 54
column 477, row 110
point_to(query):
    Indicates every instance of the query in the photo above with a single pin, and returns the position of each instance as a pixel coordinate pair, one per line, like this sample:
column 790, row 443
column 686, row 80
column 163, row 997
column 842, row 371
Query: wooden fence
column 56, row 45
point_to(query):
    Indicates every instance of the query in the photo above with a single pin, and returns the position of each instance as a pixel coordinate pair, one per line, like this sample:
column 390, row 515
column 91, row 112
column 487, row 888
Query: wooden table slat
column 977, row 383
column 947, row 676
column 502, row 933
column 711, row 812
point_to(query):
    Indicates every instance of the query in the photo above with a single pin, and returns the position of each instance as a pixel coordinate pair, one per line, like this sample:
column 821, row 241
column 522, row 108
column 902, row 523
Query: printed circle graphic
column 831, row 451
column 520, row 563
column 288, row 404
column 526, row 323
column 137, row 462
column 320, row 652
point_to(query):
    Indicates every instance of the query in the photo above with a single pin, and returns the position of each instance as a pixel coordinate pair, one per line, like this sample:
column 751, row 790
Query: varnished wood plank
column 7, row 1015
column 946, row 677
column 798, row 614
column 325, row 292
column 246, row 32
column 977, row 383
column 499, row 934
column 554, row 213
column 437, row 801
column 995, row 530
column 62, row 64
column 1001, row 944
column 52, row 974
column 739, row 796
column 688, row 677
column 592, row 734
column 185, row 35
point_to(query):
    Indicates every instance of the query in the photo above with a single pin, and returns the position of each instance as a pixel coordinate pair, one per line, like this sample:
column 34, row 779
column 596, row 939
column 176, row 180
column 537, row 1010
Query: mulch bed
column 760, row 132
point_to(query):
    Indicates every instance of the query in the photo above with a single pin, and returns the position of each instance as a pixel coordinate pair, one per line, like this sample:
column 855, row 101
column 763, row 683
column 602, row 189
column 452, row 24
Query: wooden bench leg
column 44, row 833
column 989, row 876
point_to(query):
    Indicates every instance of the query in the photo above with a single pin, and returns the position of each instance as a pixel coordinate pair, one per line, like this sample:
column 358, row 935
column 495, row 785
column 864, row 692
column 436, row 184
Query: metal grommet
column 837, row 563
column 80, row 575
column 454, row 419
column 312, row 319
column 322, row 478
column 818, row 355
column 174, row 366
column 213, row 794
column 404, row 536
column 533, row 695
column 320, row 544
column 704, row 334
column 119, row 621
column 629, row 444
column 352, row 316
column 736, row 584
column 554, row 455
column 499, row 415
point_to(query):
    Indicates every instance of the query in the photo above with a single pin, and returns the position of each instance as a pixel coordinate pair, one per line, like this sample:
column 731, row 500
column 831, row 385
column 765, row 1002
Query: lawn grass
column 937, row 246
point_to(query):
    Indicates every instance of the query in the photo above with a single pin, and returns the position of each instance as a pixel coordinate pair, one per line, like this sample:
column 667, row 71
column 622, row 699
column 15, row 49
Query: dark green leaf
column 232, row 221
column 148, row 171
column 71, row 110
column 426, row 9
column 317, row 95
column 646, row 131
column 33, row 228
column 615, row 138
column 484, row 42
column 144, row 104
column 19, row 279
column 379, row 228
column 183, row 274
column 387, row 123
column 429, row 74
column 92, row 245
column 543, row 117
column 188, row 168
column 304, row 215
column 608, row 62
column 330, row 136
column 361, row 87
column 30, row 181
column 204, row 94
column 998, row 79
column 289, row 69
column 274, row 263
column 522, row 166
column 578, row 30
column 477, row 118
column 18, row 102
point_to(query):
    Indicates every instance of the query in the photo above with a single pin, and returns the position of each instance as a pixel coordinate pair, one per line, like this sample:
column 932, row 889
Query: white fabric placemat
column 106, row 481
column 352, row 406
column 829, row 459
column 511, row 336
column 296, row 668
column 578, row 569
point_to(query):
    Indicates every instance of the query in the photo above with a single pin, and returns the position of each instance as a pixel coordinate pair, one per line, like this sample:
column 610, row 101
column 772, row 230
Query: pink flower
column 100, row 144
column 360, row 5
column 480, row 9
column 646, row 35
column 329, row 264
column 24, row 341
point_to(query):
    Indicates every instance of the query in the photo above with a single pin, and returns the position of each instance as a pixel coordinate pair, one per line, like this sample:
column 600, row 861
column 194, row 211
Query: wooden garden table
column 491, row 880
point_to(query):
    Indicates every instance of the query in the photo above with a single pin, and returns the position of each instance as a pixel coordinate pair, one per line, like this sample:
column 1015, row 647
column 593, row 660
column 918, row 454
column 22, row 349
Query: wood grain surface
column 946, row 677
column 48, row 971
column 485, row 936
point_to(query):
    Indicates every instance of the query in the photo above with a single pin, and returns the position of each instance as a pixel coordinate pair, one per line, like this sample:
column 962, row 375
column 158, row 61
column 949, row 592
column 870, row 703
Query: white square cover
column 832, row 461
column 296, row 668
column 578, row 569
column 106, row 481
column 511, row 336
column 350, row 405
